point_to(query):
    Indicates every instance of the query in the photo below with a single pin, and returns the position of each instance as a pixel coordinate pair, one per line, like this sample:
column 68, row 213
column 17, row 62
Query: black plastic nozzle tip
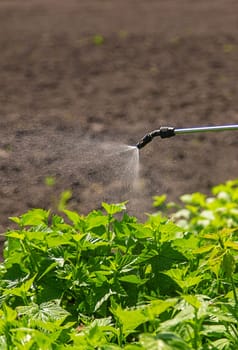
column 146, row 139
column 163, row 132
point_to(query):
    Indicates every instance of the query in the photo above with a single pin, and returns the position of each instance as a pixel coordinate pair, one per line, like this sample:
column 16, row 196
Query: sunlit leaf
column 132, row 279
column 232, row 245
column 96, row 221
column 203, row 249
column 21, row 290
column 157, row 307
column 159, row 200
column 192, row 300
column 35, row 217
column 112, row 209
column 73, row 216
column 103, row 299
column 46, row 312
column 130, row 319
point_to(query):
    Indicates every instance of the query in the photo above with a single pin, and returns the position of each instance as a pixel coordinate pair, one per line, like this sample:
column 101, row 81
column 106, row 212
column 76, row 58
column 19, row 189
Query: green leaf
column 232, row 245
column 159, row 200
column 187, row 245
column 10, row 315
column 74, row 217
column 35, row 217
column 46, row 312
column 112, row 209
column 35, row 236
column 64, row 198
column 221, row 344
column 228, row 264
column 163, row 341
column 196, row 198
column 22, row 290
column 169, row 231
column 204, row 249
column 130, row 319
column 146, row 255
column 192, row 300
column 98, row 39
column 132, row 347
column 132, row 279
column 157, row 307
column 183, row 280
column 48, row 269
column 103, row 299
column 16, row 235
column 50, row 181
column 56, row 240
column 96, row 220
column 15, row 219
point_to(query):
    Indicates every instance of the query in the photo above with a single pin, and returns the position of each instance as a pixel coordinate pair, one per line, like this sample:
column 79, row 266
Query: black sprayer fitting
column 163, row 132
column 168, row 131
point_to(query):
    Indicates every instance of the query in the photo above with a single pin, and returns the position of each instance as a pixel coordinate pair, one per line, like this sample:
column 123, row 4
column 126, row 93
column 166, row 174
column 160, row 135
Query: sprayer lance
column 167, row 131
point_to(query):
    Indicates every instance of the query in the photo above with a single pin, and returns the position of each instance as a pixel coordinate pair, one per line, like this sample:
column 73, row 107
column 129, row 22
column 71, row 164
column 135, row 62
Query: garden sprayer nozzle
column 163, row 132
column 168, row 131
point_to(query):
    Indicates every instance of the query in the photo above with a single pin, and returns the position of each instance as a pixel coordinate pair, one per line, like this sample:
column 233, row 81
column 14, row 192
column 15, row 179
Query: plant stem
column 234, row 290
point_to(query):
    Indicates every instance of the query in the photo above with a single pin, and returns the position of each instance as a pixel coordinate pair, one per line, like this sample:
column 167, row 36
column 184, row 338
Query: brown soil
column 64, row 95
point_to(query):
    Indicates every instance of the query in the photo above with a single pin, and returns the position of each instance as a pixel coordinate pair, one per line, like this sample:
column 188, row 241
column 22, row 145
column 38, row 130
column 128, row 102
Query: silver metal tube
column 166, row 131
column 205, row 129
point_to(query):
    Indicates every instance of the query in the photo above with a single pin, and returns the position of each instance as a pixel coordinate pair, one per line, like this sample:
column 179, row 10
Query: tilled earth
column 80, row 78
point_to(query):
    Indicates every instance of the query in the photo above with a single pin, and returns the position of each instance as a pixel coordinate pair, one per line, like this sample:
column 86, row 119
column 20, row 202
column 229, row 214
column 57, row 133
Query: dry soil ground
column 76, row 75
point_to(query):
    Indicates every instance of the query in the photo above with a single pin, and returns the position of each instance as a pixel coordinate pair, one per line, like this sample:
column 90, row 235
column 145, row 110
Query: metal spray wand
column 168, row 131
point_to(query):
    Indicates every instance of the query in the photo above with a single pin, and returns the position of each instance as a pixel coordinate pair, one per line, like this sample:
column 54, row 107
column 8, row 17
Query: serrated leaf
column 146, row 255
column 10, row 315
column 103, row 299
column 47, row 270
column 158, row 201
column 169, row 231
column 189, row 243
column 130, row 319
column 35, row 217
column 56, row 240
column 149, row 342
column 112, row 209
column 163, row 341
column 96, row 221
column 186, row 314
column 141, row 231
column 74, row 217
column 221, row 344
column 183, row 281
column 157, row 307
column 192, row 300
column 133, row 279
column 22, row 290
column 46, row 312
column 37, row 236
column 204, row 249
column 15, row 219
column 16, row 234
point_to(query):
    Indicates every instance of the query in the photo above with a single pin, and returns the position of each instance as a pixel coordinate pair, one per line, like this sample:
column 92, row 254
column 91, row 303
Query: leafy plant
column 98, row 39
column 106, row 281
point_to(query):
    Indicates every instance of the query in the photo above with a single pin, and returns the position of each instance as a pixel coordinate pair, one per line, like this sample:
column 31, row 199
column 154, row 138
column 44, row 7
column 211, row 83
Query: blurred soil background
column 77, row 75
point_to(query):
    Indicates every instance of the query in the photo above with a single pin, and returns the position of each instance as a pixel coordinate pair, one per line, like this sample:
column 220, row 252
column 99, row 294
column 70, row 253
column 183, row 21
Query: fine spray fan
column 168, row 131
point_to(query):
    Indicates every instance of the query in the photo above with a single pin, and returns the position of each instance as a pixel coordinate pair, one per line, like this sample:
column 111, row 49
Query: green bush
column 106, row 281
